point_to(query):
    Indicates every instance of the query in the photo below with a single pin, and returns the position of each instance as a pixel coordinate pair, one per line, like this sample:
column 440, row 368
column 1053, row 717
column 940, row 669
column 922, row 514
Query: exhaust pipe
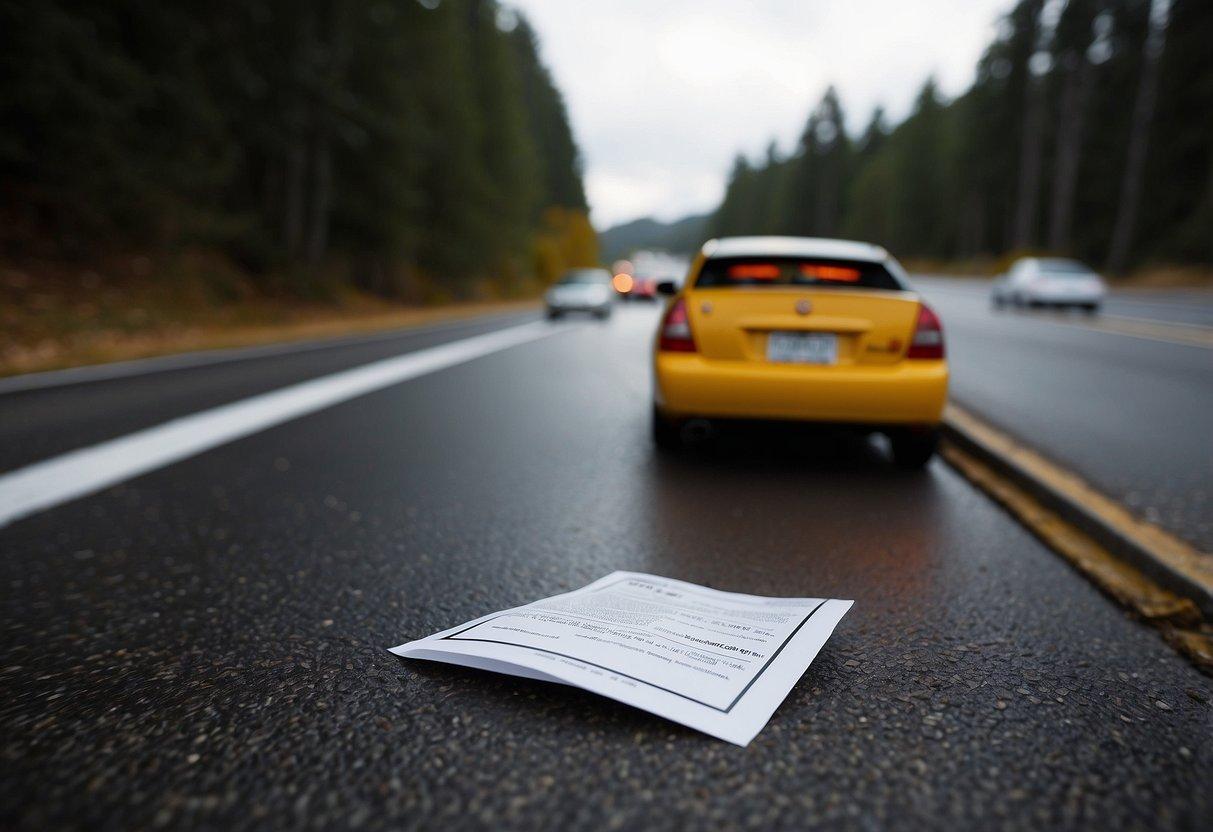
column 696, row 431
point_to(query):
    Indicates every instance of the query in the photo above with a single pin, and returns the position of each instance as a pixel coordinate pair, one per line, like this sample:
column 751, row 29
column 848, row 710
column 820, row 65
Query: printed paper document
column 719, row 662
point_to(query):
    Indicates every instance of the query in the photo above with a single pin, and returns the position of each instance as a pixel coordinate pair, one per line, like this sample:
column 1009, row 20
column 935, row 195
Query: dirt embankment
column 64, row 317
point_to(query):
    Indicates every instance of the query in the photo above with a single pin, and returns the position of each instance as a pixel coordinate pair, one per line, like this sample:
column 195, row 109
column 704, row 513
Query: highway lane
column 1182, row 306
column 1130, row 414
column 44, row 421
column 205, row 645
column 1192, row 307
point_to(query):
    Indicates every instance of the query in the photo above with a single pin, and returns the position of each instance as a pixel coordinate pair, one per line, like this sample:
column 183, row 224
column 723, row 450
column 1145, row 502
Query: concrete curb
column 1171, row 562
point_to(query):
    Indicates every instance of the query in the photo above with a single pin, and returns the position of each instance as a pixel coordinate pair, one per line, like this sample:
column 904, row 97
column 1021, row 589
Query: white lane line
column 206, row 358
column 45, row 484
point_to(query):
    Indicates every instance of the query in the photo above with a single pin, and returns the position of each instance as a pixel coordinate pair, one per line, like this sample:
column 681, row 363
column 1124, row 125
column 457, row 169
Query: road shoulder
column 1161, row 578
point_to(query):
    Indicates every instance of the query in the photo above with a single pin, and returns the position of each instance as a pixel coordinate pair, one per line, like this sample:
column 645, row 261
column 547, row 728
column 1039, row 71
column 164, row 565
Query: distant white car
column 581, row 290
column 1049, row 281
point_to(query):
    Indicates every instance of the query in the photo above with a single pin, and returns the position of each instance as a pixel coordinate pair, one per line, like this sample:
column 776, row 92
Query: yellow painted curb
column 1168, row 551
column 1017, row 477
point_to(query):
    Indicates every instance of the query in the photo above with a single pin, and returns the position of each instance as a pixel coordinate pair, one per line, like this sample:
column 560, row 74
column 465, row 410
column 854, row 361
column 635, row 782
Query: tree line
column 1088, row 131
column 391, row 144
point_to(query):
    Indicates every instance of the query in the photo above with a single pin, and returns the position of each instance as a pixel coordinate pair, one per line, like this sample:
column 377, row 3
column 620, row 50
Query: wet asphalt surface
column 39, row 423
column 1132, row 415
column 205, row 646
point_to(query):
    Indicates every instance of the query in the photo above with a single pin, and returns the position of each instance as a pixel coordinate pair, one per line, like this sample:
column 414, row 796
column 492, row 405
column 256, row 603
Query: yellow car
column 799, row 329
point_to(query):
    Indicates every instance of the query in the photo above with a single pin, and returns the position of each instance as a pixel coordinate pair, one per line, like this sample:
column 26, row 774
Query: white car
column 1050, row 281
column 581, row 290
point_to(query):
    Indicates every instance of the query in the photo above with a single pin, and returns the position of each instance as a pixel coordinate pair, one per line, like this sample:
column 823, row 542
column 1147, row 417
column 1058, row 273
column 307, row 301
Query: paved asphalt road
column 1132, row 414
column 205, row 645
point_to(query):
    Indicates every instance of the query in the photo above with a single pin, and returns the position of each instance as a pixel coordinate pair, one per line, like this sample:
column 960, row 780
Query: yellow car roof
column 793, row 247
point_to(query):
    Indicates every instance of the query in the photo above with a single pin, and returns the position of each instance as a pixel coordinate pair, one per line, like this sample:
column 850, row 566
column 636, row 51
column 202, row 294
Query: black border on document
column 452, row 637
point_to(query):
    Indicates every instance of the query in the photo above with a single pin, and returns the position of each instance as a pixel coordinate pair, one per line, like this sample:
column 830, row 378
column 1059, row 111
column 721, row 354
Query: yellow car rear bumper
column 909, row 392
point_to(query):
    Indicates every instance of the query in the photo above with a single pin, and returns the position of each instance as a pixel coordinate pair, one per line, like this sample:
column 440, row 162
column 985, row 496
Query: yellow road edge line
column 1177, row 617
column 1178, row 555
column 1177, row 333
column 1181, row 326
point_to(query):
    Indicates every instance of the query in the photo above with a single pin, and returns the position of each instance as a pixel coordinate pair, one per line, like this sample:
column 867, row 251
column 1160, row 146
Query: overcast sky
column 663, row 93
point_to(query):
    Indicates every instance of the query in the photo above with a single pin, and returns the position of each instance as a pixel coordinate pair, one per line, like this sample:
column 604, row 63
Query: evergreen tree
column 819, row 172
column 1073, row 73
column 559, row 158
column 772, row 188
column 1031, row 33
column 1178, row 224
column 873, row 137
column 921, row 166
column 1051, row 145
column 736, row 212
column 1121, row 29
column 507, row 151
column 399, row 145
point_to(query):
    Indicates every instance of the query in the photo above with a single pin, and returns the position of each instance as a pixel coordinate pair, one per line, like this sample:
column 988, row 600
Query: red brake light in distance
column 754, row 271
column 928, row 335
column 833, row 274
column 676, row 330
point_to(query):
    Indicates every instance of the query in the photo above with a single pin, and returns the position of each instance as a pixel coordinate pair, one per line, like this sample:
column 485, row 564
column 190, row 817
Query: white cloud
column 663, row 93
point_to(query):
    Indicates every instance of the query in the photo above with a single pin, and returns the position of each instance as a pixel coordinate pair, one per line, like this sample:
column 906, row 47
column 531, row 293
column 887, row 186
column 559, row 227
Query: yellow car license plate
column 802, row 347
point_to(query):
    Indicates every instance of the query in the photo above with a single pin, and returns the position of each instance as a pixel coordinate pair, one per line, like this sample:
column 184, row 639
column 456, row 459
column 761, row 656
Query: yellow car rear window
column 795, row 271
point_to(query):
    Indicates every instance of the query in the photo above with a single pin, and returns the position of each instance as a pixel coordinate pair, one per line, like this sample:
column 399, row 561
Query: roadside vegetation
column 71, row 316
column 197, row 166
column 1086, row 132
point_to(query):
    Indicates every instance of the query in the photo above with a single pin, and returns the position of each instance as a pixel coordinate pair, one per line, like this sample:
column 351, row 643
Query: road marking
column 1178, row 555
column 51, row 482
column 1169, row 332
column 1164, row 579
column 1177, row 617
column 206, row 358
